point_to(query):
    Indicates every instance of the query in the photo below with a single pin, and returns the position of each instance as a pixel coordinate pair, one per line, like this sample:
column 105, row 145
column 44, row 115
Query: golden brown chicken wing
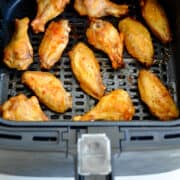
column 49, row 90
column 47, row 10
column 20, row 108
column 156, row 19
column 87, row 71
column 54, row 42
column 99, row 8
column 155, row 95
column 137, row 40
column 116, row 106
column 18, row 54
column 104, row 36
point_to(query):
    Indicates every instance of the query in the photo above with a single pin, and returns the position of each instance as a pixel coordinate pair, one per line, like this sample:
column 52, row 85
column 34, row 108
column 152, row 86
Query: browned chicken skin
column 115, row 106
column 155, row 95
column 21, row 108
column 87, row 71
column 47, row 10
column 49, row 90
column 99, row 8
column 104, row 36
column 137, row 40
column 156, row 19
column 54, row 42
column 18, row 54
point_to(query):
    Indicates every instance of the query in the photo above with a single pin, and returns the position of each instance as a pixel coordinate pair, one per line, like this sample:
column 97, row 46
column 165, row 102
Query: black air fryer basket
column 60, row 134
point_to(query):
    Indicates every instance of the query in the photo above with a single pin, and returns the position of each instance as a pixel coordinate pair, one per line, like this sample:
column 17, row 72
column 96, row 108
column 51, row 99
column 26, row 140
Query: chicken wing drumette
column 156, row 96
column 87, row 71
column 99, row 8
column 156, row 19
column 47, row 10
column 18, row 54
column 104, row 36
column 54, row 42
column 115, row 106
column 49, row 90
column 137, row 40
column 21, row 108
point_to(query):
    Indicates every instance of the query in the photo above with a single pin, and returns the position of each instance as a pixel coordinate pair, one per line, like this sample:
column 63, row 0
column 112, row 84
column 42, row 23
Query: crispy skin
column 156, row 19
column 99, row 8
column 137, row 40
column 47, row 10
column 104, row 36
column 155, row 95
column 18, row 54
column 80, row 7
column 87, row 71
column 20, row 108
column 115, row 106
column 49, row 90
column 54, row 42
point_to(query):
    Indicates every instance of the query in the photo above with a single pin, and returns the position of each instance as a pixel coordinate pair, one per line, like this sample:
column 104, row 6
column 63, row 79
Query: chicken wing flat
column 99, row 8
column 156, row 19
column 155, row 95
column 47, row 10
column 54, row 42
column 116, row 106
column 18, row 54
column 104, row 36
column 137, row 40
column 49, row 90
column 20, row 108
column 87, row 71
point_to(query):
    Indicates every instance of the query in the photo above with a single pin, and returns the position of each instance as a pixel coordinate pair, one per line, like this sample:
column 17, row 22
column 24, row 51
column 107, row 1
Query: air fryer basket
column 165, row 67
column 61, row 134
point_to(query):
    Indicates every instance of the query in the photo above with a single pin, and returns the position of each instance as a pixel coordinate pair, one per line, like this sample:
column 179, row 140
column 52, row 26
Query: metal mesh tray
column 126, row 78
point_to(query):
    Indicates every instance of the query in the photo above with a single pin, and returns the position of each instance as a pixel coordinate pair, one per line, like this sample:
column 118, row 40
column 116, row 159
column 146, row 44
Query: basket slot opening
column 44, row 138
column 10, row 136
column 141, row 138
column 172, row 136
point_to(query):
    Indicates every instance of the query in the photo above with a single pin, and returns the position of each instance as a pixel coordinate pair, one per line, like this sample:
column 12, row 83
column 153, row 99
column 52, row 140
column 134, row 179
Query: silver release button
column 94, row 155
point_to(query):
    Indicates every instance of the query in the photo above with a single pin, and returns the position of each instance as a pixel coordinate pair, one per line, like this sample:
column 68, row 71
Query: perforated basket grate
column 125, row 78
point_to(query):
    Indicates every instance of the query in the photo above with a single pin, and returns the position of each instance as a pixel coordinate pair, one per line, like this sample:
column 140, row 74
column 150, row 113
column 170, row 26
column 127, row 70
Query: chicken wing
column 155, row 95
column 156, row 19
column 18, row 54
column 116, row 106
column 20, row 108
column 54, row 42
column 137, row 40
column 49, row 90
column 104, row 36
column 87, row 71
column 47, row 10
column 99, row 8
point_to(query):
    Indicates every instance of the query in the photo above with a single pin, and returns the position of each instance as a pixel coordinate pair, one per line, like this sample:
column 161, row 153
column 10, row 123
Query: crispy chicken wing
column 18, row 54
column 99, row 8
column 137, row 40
column 116, row 106
column 155, row 95
column 21, row 108
column 54, row 42
column 49, row 90
column 104, row 36
column 47, row 10
column 156, row 19
column 87, row 71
